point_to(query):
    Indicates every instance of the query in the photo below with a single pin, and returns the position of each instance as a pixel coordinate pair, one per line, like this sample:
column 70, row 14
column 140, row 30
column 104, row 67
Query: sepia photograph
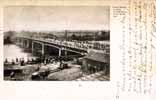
column 56, row 43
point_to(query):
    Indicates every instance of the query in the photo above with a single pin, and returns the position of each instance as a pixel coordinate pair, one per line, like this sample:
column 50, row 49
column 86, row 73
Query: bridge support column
column 17, row 41
column 32, row 47
column 60, row 52
column 42, row 49
column 20, row 42
column 27, row 43
column 65, row 51
column 23, row 43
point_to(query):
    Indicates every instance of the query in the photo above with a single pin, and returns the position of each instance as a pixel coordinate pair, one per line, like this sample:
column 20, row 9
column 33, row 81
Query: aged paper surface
column 132, row 56
column 137, row 49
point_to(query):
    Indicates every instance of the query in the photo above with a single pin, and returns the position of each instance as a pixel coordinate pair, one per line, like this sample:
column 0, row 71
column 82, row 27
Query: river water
column 11, row 52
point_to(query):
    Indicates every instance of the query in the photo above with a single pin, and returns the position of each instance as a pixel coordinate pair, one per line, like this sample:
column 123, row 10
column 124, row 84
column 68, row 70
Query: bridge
column 61, row 48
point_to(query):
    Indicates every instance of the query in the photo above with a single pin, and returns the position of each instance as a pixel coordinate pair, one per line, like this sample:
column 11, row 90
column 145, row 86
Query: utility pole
column 66, row 36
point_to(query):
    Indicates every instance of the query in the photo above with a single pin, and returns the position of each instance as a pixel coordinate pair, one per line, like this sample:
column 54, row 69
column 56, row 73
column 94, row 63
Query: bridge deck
column 84, row 47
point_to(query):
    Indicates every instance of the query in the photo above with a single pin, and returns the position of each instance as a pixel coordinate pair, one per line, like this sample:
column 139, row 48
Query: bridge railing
column 83, row 45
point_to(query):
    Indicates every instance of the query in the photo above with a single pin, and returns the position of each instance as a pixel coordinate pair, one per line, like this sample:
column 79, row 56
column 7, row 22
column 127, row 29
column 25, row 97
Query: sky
column 52, row 18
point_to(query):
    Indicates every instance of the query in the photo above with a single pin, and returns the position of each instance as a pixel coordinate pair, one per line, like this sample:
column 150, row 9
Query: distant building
column 96, row 61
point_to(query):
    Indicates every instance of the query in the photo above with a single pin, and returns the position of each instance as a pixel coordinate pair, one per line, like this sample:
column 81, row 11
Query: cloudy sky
column 49, row 18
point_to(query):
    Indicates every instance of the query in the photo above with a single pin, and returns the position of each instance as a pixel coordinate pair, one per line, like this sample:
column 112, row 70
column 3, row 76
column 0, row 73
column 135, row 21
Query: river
column 12, row 51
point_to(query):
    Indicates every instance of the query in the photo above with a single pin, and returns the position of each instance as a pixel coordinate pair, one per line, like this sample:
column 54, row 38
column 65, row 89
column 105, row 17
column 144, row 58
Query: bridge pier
column 60, row 52
column 27, row 43
column 22, row 43
column 65, row 51
column 42, row 48
column 32, row 47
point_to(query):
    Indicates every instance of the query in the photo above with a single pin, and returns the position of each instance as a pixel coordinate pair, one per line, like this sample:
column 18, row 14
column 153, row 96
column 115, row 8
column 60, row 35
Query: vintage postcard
column 78, row 49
